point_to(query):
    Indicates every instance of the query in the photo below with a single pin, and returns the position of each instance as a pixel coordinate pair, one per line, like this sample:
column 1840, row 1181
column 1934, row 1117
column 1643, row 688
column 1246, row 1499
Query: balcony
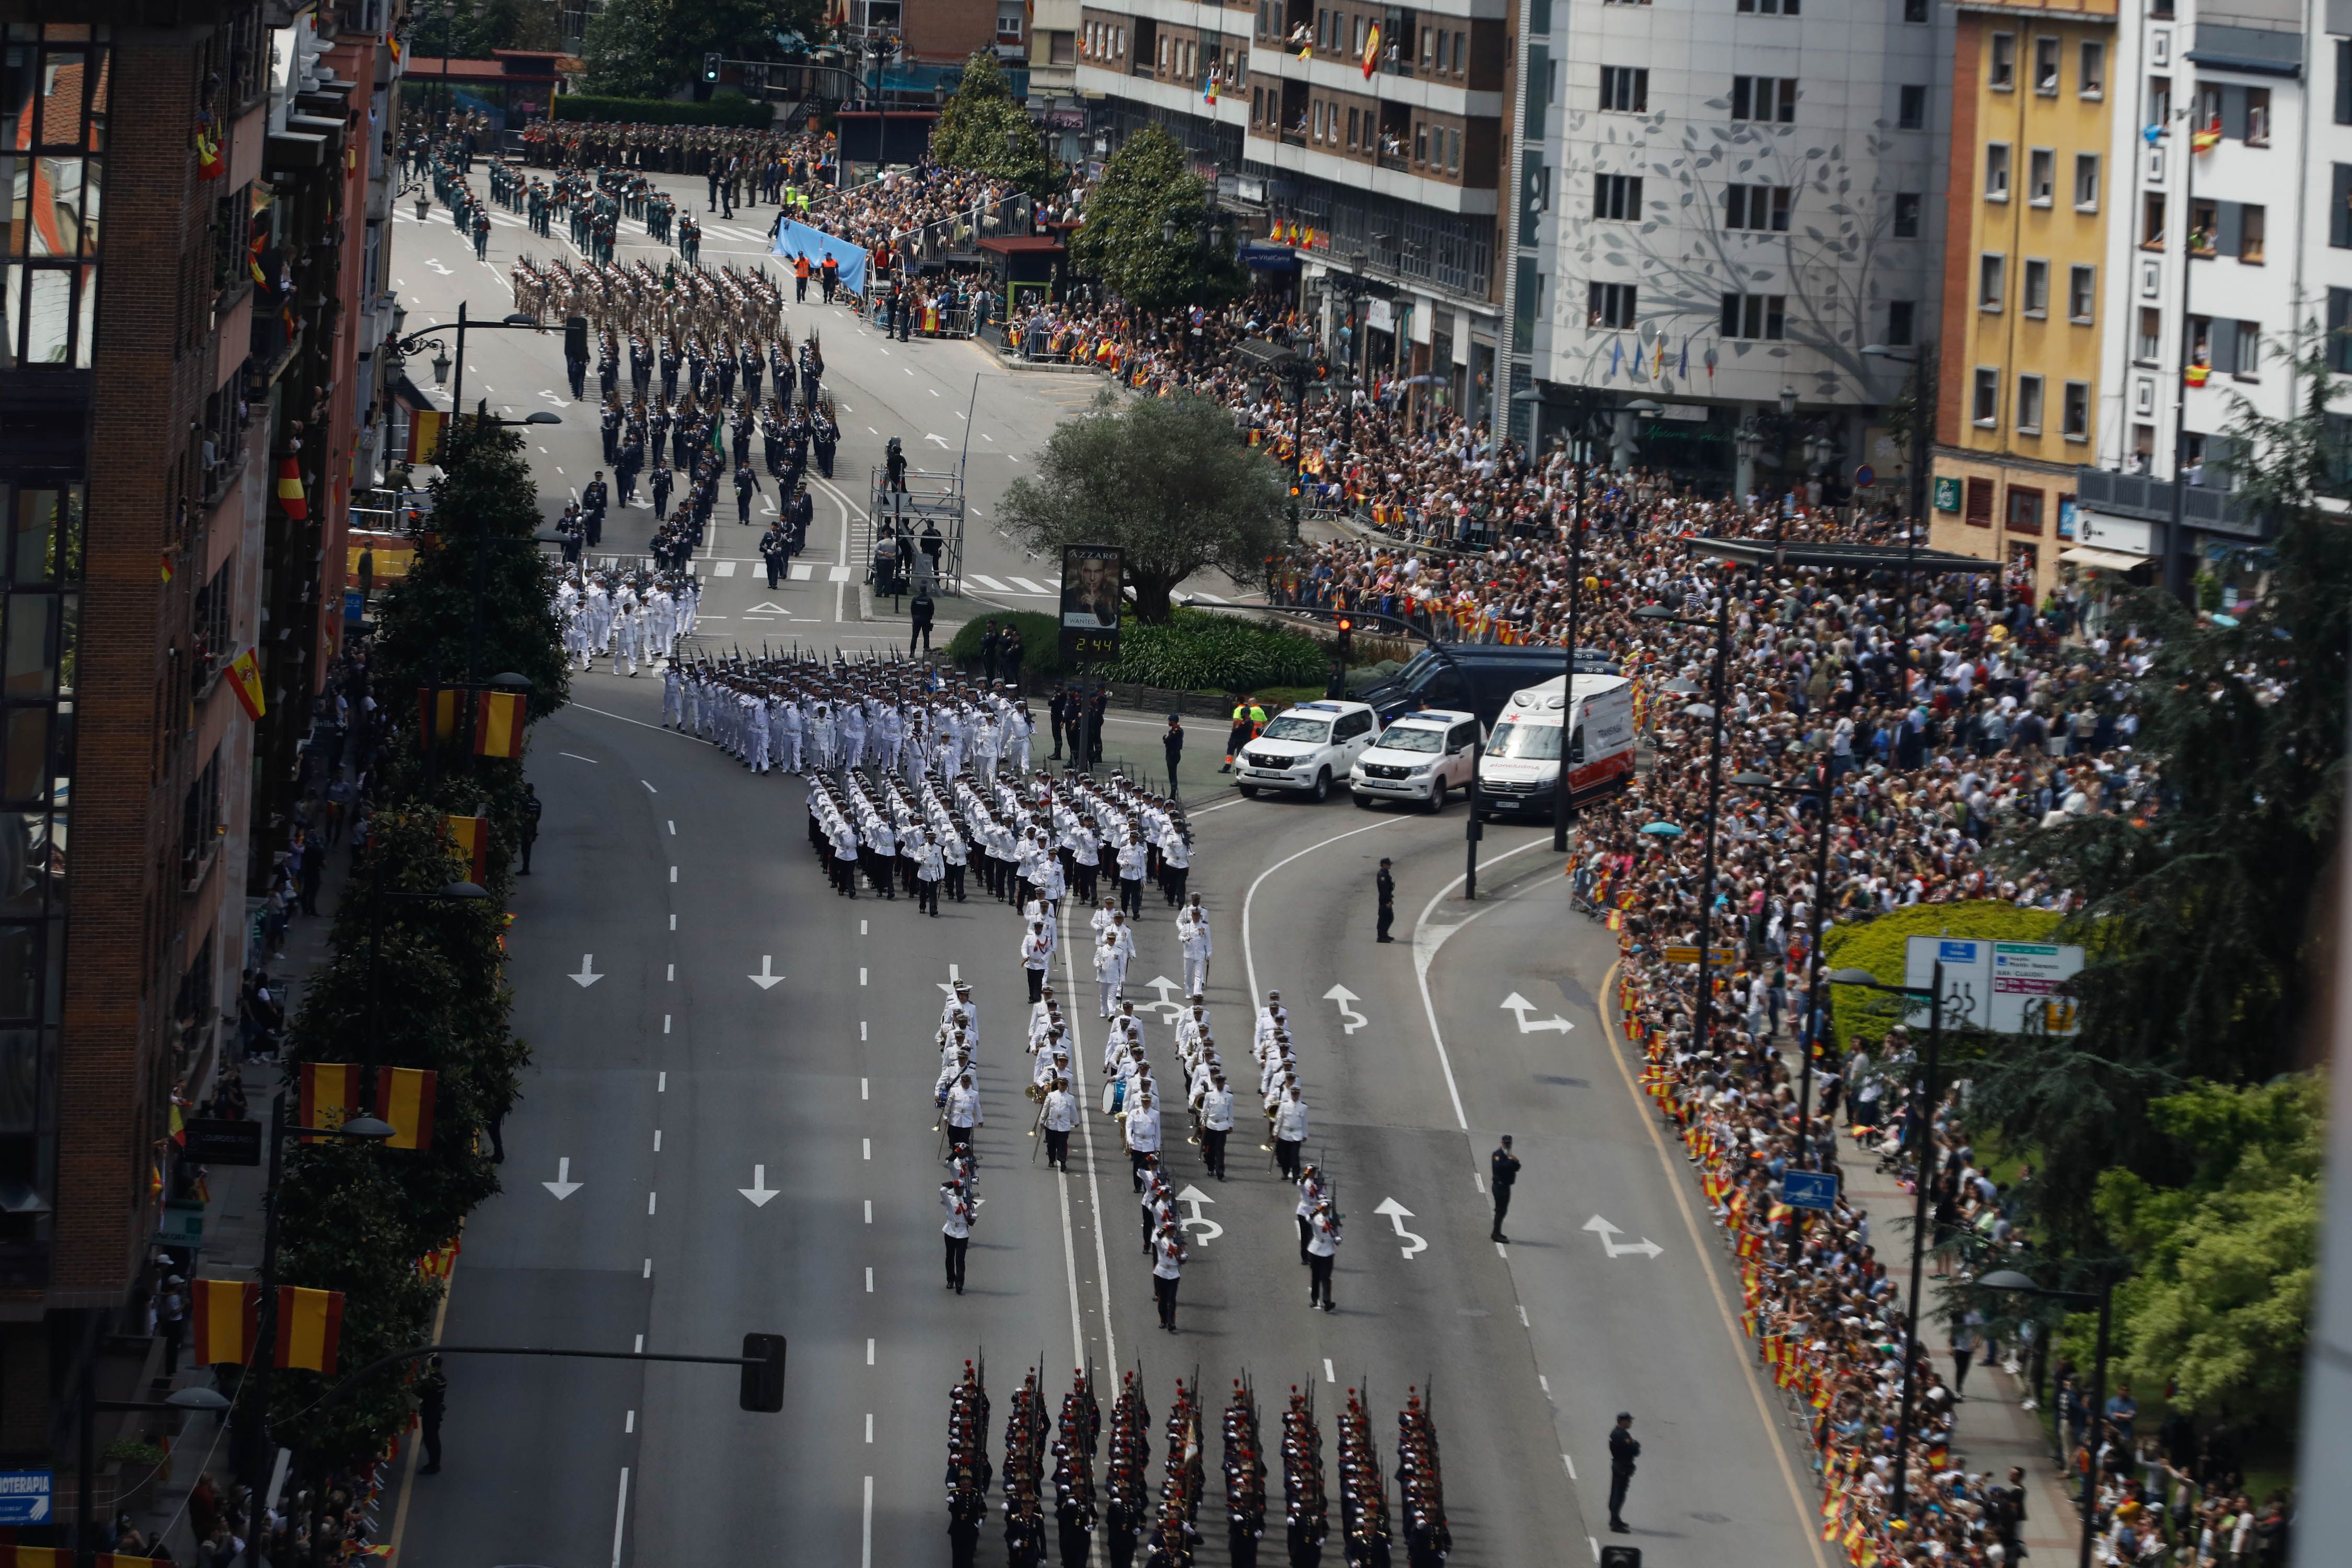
column 2208, row 508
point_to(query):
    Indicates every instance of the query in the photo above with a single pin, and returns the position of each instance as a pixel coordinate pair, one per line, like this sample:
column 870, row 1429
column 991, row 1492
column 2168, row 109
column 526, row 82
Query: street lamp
column 1703, row 1009
column 2010, row 1281
column 442, row 362
column 1922, row 419
column 1923, row 1112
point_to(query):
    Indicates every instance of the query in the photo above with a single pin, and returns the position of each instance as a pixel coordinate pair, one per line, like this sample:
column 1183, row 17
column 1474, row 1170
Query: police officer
column 1386, row 886
column 1503, row 1169
column 432, row 1404
column 1623, row 1451
column 531, row 812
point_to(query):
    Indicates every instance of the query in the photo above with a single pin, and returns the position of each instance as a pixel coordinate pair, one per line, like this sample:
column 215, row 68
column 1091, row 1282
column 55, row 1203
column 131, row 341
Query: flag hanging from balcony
column 310, row 1324
column 209, row 165
column 245, row 680
column 1372, row 51
column 290, row 498
column 2205, row 141
column 328, row 1096
column 471, row 835
column 226, row 1315
column 499, row 721
column 404, row 1097
column 1211, row 92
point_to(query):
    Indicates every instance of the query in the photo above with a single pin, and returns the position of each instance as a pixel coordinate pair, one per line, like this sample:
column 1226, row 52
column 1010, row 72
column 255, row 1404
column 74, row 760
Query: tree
column 2198, row 920
column 1166, row 479
column 474, row 27
column 1145, row 189
column 627, row 54
column 984, row 128
column 2219, row 1306
column 644, row 48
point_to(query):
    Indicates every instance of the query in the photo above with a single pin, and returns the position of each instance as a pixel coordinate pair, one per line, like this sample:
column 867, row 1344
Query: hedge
column 1877, row 944
column 729, row 109
column 1196, row 651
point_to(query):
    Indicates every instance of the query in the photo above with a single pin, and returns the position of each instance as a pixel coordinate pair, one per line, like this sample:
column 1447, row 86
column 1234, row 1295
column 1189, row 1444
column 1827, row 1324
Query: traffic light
column 710, row 67
column 1346, row 636
column 763, row 1376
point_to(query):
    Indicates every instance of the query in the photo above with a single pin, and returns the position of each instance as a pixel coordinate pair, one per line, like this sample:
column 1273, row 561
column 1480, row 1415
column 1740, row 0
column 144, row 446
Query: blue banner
column 798, row 239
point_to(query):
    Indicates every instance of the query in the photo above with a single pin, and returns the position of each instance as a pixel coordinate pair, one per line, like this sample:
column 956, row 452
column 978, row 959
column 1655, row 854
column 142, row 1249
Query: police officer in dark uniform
column 1385, row 884
column 432, row 1404
column 1623, row 1451
column 531, row 813
column 1502, row 1169
column 593, row 502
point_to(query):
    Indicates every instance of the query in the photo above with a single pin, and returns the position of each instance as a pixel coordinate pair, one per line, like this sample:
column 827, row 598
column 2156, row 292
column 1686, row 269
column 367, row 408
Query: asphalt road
column 668, row 1080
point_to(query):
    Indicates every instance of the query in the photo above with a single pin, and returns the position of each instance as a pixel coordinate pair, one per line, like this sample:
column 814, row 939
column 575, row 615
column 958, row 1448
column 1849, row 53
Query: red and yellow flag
column 292, row 498
column 226, row 1315
column 499, row 721
column 310, row 1324
column 471, row 835
column 404, row 1097
column 424, row 428
column 245, row 680
column 436, row 713
column 1372, row 51
column 329, row 1095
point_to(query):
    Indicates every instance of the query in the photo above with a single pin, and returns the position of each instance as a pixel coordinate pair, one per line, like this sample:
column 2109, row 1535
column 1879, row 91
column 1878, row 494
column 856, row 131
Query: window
column 2344, row 81
column 1906, row 214
column 1352, row 130
column 2091, row 69
column 2045, row 66
column 2040, row 177
column 2025, row 503
column 1764, row 98
column 2028, row 405
column 2160, row 100
column 1617, row 196
column 2086, row 182
column 2148, row 344
column 2340, row 329
column 1757, row 208
column 1979, row 503
column 1915, row 10
column 1454, row 158
column 2250, row 232
column 2077, row 411
column 2151, row 219
column 1911, row 109
column 1900, row 330
column 1991, row 274
column 2204, row 225
column 49, row 304
column 2002, row 76
column 2082, row 294
column 1996, row 185
column 1769, row 7
column 1625, row 88
column 2339, row 207
column 1986, row 408
column 2258, row 117
column 2245, row 350
column 1753, row 315
column 2037, row 287
column 1609, row 304
column 1420, row 142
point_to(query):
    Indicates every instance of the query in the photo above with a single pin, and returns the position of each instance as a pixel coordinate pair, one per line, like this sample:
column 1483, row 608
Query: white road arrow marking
column 767, row 607
column 587, row 975
column 435, row 263
column 559, row 401
column 563, row 1186
column 1347, row 1015
column 1519, row 1007
column 759, row 1192
column 1398, row 1214
column 1193, row 1197
column 767, row 977
column 1170, row 1001
column 940, row 439
column 1609, row 1233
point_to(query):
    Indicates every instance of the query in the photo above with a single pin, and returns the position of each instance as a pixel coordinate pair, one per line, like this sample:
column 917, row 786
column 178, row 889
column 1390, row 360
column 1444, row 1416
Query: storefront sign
column 1380, row 315
column 1947, row 493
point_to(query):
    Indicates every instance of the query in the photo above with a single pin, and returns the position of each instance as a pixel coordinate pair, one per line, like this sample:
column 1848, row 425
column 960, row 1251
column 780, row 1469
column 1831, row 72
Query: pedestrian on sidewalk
column 1504, row 1167
column 432, row 1404
column 531, row 808
column 172, row 1319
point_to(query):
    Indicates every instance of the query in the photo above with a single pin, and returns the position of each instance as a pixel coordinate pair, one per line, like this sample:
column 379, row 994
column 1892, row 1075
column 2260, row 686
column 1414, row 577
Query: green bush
column 1877, row 945
column 1196, row 651
column 728, row 109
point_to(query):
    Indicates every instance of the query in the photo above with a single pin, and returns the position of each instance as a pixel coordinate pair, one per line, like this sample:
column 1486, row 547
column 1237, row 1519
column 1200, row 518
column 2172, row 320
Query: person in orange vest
column 1249, row 718
column 799, row 279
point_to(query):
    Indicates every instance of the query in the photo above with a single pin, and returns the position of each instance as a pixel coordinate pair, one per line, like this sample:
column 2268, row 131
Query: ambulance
column 1519, row 776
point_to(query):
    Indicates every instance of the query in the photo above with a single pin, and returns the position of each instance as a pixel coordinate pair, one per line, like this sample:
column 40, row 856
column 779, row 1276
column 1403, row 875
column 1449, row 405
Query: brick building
column 191, row 280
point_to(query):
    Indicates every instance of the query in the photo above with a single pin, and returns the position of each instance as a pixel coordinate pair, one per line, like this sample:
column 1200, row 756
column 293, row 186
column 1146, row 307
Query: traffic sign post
column 2006, row 988
column 1809, row 1189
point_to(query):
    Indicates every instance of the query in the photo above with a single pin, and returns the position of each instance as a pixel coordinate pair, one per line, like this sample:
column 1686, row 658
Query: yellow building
column 2018, row 355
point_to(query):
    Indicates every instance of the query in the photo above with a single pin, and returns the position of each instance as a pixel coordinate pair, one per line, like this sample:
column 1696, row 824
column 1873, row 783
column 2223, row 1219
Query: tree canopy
column 1163, row 478
column 470, row 29
column 984, row 128
column 1144, row 187
column 643, row 49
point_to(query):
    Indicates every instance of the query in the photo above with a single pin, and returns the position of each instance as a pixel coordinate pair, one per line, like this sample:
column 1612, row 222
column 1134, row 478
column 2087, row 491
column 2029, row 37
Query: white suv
column 1418, row 758
column 1306, row 747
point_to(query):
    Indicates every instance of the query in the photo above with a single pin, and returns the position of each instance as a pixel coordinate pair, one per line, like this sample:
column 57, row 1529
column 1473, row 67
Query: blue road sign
column 1865, row 475
column 1808, row 1189
column 25, row 1496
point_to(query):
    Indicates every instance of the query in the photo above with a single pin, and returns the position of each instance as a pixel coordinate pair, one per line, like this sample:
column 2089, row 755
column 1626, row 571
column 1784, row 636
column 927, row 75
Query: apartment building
column 2031, row 178
column 189, row 253
column 2233, row 234
column 1370, row 138
column 1721, row 204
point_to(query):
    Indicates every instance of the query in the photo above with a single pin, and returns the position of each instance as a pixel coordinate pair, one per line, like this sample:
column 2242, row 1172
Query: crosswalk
column 982, row 580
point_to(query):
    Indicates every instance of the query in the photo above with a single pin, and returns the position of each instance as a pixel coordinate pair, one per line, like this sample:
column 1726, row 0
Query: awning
column 2105, row 560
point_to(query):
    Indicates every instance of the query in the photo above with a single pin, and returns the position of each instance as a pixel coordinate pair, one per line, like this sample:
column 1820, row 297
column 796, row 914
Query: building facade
column 185, row 302
column 1722, row 204
column 2027, row 258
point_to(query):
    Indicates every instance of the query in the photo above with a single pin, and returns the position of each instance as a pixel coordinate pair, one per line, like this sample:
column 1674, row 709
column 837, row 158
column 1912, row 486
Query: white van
column 1307, row 747
column 1419, row 757
column 1520, row 774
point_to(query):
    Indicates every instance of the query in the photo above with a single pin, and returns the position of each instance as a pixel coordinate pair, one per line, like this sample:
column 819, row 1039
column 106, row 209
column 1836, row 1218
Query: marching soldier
column 1322, row 1246
column 1166, row 1269
column 1060, row 1116
column 1216, row 1123
column 955, row 1197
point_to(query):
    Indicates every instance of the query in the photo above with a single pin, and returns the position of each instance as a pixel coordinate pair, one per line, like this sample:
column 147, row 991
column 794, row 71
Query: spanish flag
column 329, row 1095
column 245, row 680
column 37, row 1556
column 164, row 562
column 425, row 428
column 404, row 1097
column 209, row 165
column 309, row 1322
column 2205, row 141
column 290, row 499
column 499, row 721
column 471, row 835
column 1372, row 51
column 227, row 1317
column 436, row 713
